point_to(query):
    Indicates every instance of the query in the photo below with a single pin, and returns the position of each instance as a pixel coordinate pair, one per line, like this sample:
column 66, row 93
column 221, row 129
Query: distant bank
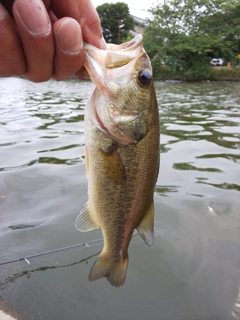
column 226, row 73
column 216, row 74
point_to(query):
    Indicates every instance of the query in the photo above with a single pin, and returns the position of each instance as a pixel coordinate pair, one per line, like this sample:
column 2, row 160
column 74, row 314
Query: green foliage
column 116, row 21
column 183, row 36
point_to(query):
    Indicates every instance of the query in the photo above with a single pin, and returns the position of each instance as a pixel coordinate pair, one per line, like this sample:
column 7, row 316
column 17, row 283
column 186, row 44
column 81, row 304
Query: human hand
column 45, row 38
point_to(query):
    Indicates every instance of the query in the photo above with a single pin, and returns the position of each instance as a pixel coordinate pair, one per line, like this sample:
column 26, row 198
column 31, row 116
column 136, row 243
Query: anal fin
column 84, row 221
column 146, row 227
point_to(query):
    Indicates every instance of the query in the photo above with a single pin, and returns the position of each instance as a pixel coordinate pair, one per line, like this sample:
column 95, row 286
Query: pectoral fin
column 146, row 227
column 84, row 221
column 112, row 164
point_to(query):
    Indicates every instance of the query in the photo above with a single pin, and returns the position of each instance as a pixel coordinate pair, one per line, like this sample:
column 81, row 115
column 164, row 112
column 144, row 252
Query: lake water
column 191, row 272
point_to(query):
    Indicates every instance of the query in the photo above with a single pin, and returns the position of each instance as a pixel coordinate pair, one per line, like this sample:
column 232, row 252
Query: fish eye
column 144, row 77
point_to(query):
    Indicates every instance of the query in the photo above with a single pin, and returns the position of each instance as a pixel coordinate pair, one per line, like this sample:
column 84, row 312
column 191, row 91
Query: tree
column 183, row 35
column 116, row 21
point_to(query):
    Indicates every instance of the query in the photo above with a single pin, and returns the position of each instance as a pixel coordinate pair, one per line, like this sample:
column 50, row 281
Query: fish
column 122, row 134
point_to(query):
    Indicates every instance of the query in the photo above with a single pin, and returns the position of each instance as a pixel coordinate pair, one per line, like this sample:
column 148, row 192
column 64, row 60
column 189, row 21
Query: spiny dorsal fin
column 84, row 221
column 146, row 227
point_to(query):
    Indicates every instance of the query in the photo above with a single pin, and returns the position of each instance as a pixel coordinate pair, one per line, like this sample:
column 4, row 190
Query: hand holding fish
column 44, row 39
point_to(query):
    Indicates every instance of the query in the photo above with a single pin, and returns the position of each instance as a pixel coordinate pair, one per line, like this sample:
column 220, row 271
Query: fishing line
column 87, row 244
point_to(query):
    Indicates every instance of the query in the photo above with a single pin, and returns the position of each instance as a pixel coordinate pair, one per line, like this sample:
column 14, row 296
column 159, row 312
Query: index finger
column 35, row 30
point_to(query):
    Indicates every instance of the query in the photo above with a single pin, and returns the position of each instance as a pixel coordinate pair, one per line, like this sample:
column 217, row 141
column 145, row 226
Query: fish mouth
column 125, row 47
column 98, row 63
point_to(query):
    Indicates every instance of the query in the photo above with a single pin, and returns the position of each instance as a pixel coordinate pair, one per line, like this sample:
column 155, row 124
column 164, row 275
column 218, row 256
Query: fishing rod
column 87, row 244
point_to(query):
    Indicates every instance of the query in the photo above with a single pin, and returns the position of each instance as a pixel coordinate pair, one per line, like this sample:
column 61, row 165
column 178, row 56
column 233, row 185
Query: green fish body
column 122, row 153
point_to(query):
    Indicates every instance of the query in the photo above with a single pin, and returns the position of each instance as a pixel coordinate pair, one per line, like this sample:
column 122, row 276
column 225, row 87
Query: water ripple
column 41, row 118
column 194, row 261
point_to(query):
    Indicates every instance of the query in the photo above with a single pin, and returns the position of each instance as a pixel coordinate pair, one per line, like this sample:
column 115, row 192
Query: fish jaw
column 98, row 62
column 124, row 129
column 121, row 103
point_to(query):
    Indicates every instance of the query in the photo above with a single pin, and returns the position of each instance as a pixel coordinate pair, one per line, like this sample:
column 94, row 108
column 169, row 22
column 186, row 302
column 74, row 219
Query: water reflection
column 30, row 273
column 225, row 186
column 234, row 158
column 201, row 129
column 164, row 190
column 188, row 166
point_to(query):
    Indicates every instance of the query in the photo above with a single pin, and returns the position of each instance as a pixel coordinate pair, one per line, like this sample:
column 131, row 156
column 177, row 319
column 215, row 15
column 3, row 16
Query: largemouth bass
column 121, row 152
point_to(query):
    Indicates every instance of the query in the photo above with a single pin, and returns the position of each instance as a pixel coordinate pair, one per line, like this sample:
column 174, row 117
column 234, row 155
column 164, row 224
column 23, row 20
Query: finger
column 85, row 13
column 69, row 52
column 91, row 27
column 35, row 31
column 12, row 62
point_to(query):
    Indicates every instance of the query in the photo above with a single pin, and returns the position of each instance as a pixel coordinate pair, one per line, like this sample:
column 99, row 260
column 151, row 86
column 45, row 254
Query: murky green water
column 192, row 271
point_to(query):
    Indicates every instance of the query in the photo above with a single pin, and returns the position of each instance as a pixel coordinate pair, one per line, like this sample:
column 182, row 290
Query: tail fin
column 115, row 272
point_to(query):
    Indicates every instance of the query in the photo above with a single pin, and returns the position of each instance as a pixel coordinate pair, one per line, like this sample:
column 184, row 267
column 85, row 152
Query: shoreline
column 217, row 74
column 8, row 314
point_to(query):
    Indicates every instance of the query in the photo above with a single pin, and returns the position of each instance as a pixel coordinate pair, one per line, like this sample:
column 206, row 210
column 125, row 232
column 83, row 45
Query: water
column 192, row 271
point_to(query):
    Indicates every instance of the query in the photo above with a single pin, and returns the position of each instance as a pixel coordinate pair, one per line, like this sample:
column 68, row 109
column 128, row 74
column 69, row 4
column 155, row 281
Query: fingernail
column 34, row 16
column 70, row 36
